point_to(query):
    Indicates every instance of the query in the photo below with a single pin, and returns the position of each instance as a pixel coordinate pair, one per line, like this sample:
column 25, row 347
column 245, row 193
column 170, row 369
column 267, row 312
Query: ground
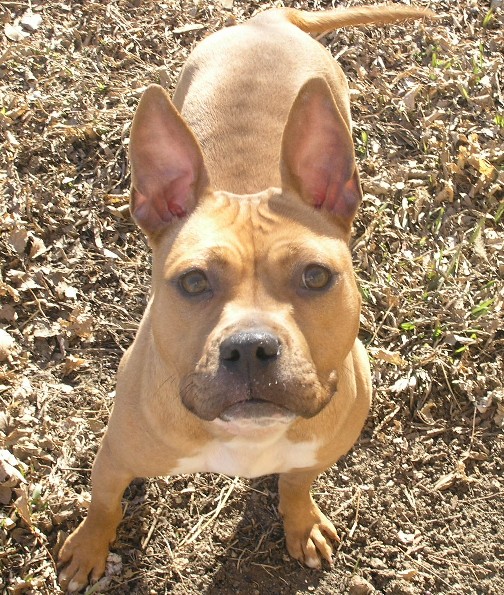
column 419, row 501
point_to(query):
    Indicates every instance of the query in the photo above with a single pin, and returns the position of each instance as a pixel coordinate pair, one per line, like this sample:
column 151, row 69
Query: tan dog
column 247, row 360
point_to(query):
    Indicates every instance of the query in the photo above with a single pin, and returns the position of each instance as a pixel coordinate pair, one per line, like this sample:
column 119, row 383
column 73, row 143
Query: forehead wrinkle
column 219, row 241
column 264, row 218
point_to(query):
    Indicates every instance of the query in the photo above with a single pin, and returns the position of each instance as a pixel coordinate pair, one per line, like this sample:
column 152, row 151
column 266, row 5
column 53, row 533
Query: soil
column 419, row 501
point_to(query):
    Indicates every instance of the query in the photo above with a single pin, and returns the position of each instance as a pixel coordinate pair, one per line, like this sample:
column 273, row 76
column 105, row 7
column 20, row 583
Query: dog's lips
column 257, row 412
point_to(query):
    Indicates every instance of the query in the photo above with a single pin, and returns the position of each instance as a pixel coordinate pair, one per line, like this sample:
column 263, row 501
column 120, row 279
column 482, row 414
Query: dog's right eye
column 316, row 277
column 194, row 282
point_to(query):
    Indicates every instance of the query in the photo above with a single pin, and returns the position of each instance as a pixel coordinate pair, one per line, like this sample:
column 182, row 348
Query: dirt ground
column 419, row 501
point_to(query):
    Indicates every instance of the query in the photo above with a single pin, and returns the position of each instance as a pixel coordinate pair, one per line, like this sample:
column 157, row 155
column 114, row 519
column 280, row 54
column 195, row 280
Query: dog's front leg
column 308, row 532
column 84, row 553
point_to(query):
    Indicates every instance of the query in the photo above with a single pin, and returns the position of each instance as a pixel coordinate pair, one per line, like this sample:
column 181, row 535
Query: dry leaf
column 8, row 313
column 407, row 574
column 499, row 415
column 458, row 474
column 37, row 248
column 14, row 32
column 9, row 476
column 80, row 323
column 409, row 98
column 189, row 27
column 6, row 345
column 392, row 357
column 22, row 504
column 425, row 413
column 18, row 239
column 31, row 21
column 72, row 364
column 401, row 384
column 63, row 290
column 447, row 193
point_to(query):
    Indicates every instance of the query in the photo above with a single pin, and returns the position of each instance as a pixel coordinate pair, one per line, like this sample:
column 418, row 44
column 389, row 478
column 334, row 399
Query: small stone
column 360, row 586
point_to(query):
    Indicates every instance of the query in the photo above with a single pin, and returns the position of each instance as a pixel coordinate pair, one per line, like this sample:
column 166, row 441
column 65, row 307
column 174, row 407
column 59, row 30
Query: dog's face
column 259, row 313
column 254, row 299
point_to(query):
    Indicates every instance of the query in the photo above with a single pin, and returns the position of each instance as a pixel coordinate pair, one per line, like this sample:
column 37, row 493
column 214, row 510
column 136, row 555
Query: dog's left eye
column 316, row 277
column 194, row 282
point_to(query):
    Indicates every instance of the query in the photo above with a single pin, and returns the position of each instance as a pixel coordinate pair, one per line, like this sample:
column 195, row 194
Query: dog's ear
column 167, row 170
column 317, row 157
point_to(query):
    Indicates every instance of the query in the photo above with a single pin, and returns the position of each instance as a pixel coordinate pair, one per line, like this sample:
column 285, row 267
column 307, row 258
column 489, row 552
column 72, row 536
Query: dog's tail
column 328, row 20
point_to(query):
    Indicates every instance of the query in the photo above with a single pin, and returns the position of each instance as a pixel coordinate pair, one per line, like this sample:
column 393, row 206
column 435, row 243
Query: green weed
column 482, row 308
column 488, row 18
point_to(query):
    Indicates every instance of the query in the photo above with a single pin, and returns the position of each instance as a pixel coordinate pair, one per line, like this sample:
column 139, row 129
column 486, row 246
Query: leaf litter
column 419, row 502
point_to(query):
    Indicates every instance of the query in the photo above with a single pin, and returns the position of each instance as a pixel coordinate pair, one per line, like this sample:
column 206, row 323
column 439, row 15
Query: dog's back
column 238, row 86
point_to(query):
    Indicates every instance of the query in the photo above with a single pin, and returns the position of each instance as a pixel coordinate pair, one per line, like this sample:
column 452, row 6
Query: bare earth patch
column 419, row 502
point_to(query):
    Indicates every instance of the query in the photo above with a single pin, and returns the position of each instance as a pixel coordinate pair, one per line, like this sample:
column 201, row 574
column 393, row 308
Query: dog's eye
column 194, row 282
column 316, row 276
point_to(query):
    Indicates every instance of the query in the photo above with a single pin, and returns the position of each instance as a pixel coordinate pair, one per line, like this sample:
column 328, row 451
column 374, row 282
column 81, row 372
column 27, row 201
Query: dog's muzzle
column 251, row 375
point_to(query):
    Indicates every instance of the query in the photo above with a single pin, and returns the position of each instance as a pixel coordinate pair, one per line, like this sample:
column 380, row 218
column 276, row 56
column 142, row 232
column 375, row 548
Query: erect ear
column 167, row 170
column 317, row 158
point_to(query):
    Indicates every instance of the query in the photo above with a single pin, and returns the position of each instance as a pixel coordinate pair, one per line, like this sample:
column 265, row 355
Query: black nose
column 249, row 349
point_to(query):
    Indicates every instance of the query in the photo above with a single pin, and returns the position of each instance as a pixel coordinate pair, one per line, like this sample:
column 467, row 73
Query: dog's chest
column 250, row 456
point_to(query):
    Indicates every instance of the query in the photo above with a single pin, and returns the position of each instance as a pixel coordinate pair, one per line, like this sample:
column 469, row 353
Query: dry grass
column 419, row 503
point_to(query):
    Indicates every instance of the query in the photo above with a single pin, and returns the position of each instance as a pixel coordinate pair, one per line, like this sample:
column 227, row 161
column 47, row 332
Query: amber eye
column 194, row 282
column 316, row 277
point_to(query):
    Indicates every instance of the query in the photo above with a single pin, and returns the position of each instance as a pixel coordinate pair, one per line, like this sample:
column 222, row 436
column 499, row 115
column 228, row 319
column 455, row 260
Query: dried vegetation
column 419, row 503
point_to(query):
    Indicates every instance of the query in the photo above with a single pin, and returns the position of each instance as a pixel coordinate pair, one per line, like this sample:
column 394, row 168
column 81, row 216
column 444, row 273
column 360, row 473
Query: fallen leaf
column 407, row 574
column 392, row 357
column 425, row 413
column 18, row 239
column 31, row 21
column 22, row 504
column 6, row 345
column 9, row 476
column 409, row 98
column 14, row 32
column 37, row 248
column 458, row 474
column 72, row 363
column 188, row 27
column 8, row 313
column 24, row 390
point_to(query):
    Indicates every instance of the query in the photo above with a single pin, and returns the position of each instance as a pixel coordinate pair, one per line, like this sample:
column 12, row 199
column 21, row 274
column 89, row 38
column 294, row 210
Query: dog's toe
column 83, row 560
column 81, row 570
column 309, row 539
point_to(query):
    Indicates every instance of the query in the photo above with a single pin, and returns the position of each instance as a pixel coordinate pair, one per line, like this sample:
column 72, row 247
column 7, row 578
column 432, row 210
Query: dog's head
column 254, row 298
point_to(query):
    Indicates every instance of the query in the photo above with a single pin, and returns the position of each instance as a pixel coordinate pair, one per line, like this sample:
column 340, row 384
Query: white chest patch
column 251, row 456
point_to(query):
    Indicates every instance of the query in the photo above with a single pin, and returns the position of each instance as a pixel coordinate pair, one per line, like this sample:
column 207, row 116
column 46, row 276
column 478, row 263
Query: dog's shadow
column 256, row 560
column 239, row 548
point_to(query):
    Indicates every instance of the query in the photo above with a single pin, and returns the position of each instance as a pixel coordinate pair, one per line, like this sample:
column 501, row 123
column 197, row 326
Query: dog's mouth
column 255, row 413
column 258, row 410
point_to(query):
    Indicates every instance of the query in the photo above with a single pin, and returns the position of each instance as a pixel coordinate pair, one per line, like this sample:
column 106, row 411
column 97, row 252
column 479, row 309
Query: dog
column 246, row 361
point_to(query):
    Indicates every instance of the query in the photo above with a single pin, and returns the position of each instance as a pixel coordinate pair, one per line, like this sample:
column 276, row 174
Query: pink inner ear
column 330, row 190
column 318, row 153
column 154, row 213
column 167, row 170
column 162, row 200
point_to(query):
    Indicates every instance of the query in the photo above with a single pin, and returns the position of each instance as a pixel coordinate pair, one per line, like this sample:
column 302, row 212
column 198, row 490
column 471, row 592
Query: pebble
column 360, row 586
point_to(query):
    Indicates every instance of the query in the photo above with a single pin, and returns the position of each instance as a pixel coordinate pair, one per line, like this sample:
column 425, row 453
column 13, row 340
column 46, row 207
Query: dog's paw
column 309, row 538
column 83, row 557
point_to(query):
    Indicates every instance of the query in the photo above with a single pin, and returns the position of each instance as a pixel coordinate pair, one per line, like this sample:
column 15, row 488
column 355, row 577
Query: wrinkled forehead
column 268, row 225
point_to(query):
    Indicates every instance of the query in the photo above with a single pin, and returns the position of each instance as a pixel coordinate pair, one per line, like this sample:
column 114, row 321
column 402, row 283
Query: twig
column 356, row 520
column 151, row 529
column 210, row 517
